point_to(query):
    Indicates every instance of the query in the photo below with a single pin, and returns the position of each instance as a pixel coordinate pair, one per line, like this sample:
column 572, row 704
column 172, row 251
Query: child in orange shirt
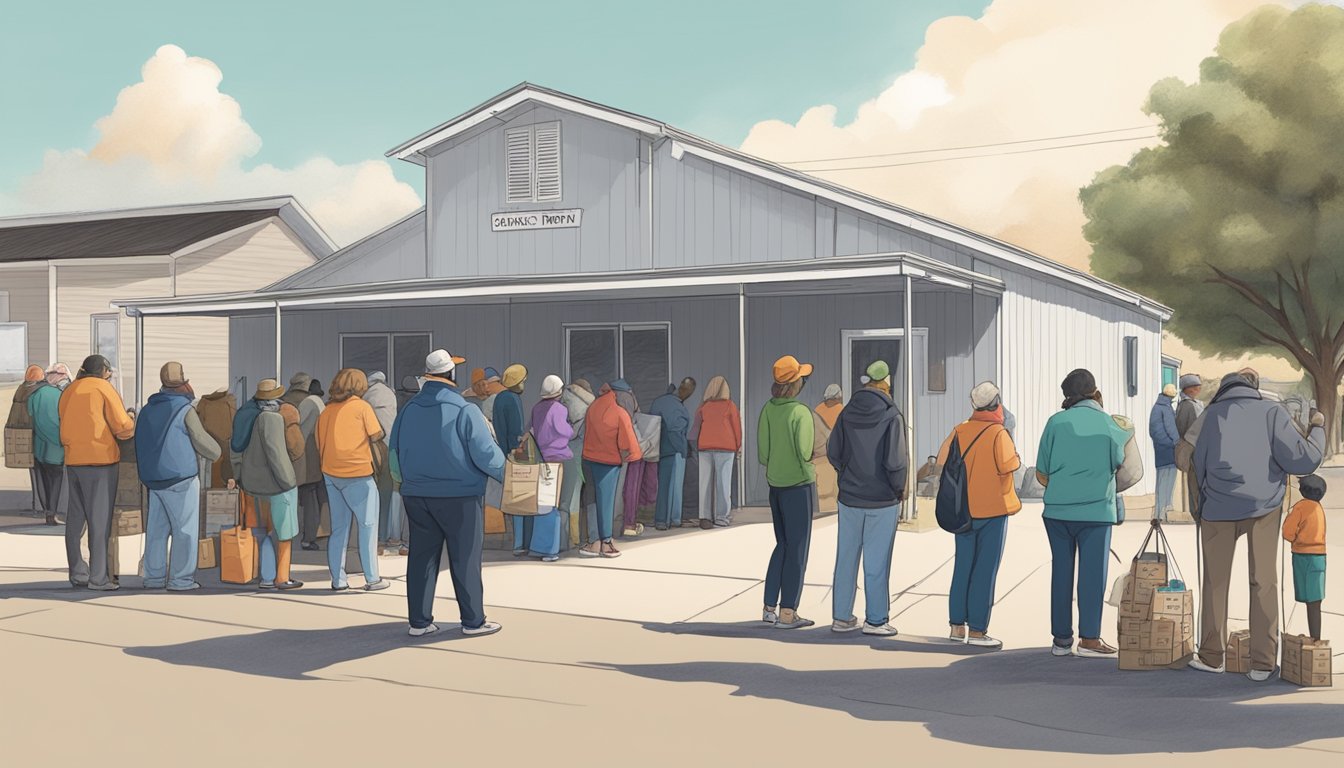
column 1305, row 528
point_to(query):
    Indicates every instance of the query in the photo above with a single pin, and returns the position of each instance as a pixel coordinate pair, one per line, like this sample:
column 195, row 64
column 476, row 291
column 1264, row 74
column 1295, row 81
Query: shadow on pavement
column 291, row 654
column 1030, row 700
column 818, row 635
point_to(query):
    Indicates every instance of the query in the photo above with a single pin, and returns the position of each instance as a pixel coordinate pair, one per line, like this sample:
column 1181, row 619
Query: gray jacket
column 1245, row 448
column 576, row 401
column 384, row 403
column 264, row 468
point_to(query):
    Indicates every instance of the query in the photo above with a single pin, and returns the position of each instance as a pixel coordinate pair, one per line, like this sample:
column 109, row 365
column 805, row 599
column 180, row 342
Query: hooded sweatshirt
column 43, row 407
column 551, row 428
column 1162, row 429
column 784, row 443
column 867, row 449
column 264, row 467
column 1245, row 448
column 508, row 419
column 384, row 403
column 576, row 401
column 676, row 423
column 441, row 447
column 168, row 437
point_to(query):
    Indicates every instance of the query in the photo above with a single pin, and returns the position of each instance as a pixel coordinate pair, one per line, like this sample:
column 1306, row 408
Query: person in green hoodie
column 784, row 446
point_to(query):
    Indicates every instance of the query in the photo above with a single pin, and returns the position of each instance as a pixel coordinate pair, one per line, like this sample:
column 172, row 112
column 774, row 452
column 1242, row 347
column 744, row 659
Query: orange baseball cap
column 789, row 370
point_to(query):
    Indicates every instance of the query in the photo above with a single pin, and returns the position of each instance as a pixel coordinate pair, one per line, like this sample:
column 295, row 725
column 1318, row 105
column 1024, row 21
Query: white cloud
column 1025, row 69
column 174, row 137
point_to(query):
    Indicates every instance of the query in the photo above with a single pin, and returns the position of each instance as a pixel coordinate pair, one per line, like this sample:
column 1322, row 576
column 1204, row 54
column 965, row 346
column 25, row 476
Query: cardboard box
column 126, row 522
column 1306, row 662
column 1237, row 657
column 221, row 501
column 1173, row 605
column 130, row 493
column 1138, row 661
column 207, row 553
column 19, row 448
column 1151, row 571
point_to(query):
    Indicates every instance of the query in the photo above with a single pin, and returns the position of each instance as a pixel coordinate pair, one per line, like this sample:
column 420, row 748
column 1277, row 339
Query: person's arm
column 763, row 440
column 627, row 442
column 308, row 413
column 276, row 448
column 737, row 427
column 372, row 427
column 1043, row 466
column 481, row 447
column 393, row 442
column 693, row 435
column 560, row 423
column 835, row 447
column 898, row 463
column 1292, row 525
column 1172, row 434
column 205, row 445
column 1295, row 454
column 294, row 442
column 804, row 434
column 1006, row 460
column 322, row 433
column 123, row 427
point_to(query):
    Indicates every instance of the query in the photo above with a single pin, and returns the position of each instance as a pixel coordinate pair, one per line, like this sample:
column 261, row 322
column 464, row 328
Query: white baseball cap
column 440, row 362
column 551, row 387
column 984, row 395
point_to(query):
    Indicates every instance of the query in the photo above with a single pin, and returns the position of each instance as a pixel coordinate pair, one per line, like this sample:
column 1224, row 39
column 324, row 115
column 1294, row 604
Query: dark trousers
column 92, row 493
column 791, row 509
column 976, row 569
column 310, row 510
column 51, row 484
column 1089, row 544
column 458, row 523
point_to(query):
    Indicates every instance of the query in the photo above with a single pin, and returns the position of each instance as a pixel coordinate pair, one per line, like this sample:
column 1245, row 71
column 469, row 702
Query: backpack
column 953, row 507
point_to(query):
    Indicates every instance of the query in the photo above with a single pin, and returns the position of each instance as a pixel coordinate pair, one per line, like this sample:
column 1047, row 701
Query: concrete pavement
column 656, row 658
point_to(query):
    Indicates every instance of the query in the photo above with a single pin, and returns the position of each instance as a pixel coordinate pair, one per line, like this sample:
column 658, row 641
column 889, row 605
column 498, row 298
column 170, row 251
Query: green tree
column 1237, row 220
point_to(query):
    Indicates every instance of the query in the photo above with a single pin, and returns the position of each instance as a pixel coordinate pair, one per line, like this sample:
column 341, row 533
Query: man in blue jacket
column 1162, row 429
column 442, row 453
column 169, row 436
column 672, row 449
column 1245, row 449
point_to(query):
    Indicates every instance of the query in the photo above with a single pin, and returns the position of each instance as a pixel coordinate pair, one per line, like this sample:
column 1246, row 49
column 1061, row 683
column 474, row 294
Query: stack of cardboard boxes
column 1306, row 661
column 1238, row 656
column 1157, row 627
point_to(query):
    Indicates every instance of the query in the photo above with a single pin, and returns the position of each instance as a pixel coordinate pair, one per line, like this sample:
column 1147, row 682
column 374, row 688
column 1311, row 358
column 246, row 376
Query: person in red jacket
column 717, row 433
column 609, row 441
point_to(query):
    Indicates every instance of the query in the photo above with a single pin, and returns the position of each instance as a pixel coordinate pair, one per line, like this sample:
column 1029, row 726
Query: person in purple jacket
column 553, row 432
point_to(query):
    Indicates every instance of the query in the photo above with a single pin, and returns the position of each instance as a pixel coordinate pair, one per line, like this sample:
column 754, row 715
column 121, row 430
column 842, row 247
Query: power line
column 970, row 146
column 973, row 157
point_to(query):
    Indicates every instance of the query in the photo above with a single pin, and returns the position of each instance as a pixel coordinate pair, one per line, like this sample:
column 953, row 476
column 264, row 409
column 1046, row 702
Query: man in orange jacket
column 93, row 419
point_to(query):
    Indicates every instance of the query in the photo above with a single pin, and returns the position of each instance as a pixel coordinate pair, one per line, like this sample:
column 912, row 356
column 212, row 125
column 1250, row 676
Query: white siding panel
column 86, row 290
column 250, row 260
column 27, row 290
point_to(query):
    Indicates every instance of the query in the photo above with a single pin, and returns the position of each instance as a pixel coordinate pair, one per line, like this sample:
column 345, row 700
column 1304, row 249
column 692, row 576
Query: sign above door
column 513, row 221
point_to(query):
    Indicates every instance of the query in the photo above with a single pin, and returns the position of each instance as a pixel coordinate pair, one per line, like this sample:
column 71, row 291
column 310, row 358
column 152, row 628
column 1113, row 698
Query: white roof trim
column 413, row 149
column 886, row 265
column 943, row 231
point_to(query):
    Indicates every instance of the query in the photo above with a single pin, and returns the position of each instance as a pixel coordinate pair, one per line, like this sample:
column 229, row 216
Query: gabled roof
column 162, row 230
column 370, row 244
column 683, row 142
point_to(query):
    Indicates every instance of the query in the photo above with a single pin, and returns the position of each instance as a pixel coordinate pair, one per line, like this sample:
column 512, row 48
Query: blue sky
column 349, row 80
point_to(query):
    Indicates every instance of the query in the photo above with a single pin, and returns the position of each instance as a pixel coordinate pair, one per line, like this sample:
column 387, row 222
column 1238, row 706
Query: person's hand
column 1317, row 418
column 231, row 484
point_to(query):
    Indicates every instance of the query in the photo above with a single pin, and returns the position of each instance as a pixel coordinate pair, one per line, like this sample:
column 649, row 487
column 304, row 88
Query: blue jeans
column 671, row 478
column 435, row 522
column 352, row 498
column 397, row 528
column 979, row 552
column 605, row 477
column 1166, row 488
column 522, row 531
column 1089, row 544
column 175, row 511
column 871, row 532
column 791, row 510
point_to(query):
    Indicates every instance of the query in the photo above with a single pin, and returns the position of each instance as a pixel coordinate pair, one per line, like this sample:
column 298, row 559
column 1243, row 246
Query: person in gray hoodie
column 384, row 403
column 308, row 468
column 1245, row 447
column 867, row 449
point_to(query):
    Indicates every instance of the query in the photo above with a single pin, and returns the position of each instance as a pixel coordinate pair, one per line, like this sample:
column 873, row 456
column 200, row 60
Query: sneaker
column 111, row 586
column 1058, row 649
column 886, row 630
column 1198, row 665
column 310, row 546
column 520, row 552
column 147, row 585
column 1259, row 675
column 376, row 586
column 266, row 585
column 285, row 586
column 609, row 549
column 660, row 526
column 637, row 530
column 488, row 628
column 51, row 519
column 789, row 619
column 957, row 634
column 720, row 523
column 705, row 525
column 1095, row 649
column 550, row 558
column 845, row 626
column 693, row 523
column 422, row 631
column 79, row 584
column 592, row 550
column 984, row 641
column 769, row 615
column 192, row 588
column 340, row 588
column 404, row 550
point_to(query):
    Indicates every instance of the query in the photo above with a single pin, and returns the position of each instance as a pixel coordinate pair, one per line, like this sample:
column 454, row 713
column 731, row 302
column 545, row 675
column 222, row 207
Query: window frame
column 389, row 336
column 619, row 328
column 115, row 319
column 533, row 187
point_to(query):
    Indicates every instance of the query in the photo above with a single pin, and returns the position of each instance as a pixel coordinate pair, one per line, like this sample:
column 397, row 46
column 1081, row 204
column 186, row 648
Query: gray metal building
column 586, row 241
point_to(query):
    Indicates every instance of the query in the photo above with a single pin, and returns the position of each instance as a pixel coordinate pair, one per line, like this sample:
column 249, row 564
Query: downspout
column 51, row 313
column 139, row 359
column 907, row 511
column 742, row 388
column 278, row 341
column 652, row 261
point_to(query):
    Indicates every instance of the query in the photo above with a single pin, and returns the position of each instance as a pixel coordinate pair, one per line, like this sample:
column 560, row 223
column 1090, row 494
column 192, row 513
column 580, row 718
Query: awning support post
column 907, row 327
column 278, row 337
column 742, row 387
column 139, row 360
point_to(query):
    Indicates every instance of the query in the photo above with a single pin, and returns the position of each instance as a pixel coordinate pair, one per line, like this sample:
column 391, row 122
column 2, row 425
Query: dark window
column 644, row 361
column 638, row 352
column 593, row 354
column 396, row 354
column 862, row 353
column 409, row 351
column 365, row 352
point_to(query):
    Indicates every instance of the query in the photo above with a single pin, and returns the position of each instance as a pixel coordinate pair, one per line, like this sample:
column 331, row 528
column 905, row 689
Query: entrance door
column 860, row 348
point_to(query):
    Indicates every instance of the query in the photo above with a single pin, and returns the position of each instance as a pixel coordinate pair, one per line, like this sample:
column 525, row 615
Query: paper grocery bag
column 237, row 556
column 548, row 486
column 494, row 497
column 205, row 554
column 520, row 488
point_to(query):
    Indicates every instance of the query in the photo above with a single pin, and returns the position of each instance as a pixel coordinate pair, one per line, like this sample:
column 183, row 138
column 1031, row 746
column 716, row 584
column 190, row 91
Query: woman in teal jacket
column 1081, row 448
column 48, row 452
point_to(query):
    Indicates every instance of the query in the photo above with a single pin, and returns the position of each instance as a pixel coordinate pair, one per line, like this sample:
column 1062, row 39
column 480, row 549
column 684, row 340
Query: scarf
column 881, row 386
column 246, row 420
column 993, row 417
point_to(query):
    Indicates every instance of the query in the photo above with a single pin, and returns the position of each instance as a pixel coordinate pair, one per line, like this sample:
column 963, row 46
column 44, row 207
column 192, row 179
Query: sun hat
column 513, row 376
column 439, row 362
column 172, row 375
column 551, row 387
column 300, row 381
column 787, row 370
column 269, row 389
column 985, row 396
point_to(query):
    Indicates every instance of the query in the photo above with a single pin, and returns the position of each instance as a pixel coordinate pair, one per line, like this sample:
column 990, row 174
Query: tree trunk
column 1327, row 402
